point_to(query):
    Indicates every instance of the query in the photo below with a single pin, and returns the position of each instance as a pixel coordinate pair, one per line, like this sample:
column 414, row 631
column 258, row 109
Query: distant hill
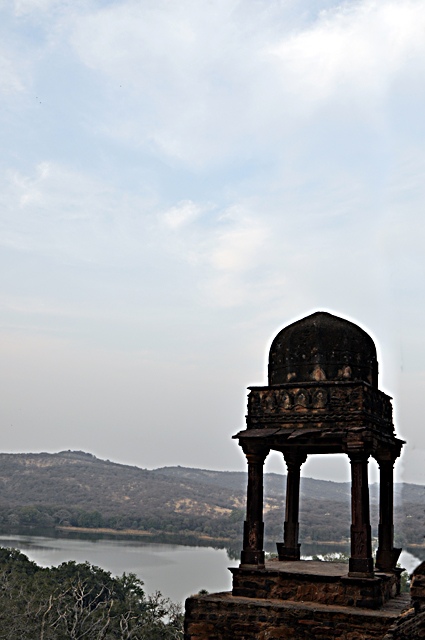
column 72, row 478
column 74, row 488
column 275, row 485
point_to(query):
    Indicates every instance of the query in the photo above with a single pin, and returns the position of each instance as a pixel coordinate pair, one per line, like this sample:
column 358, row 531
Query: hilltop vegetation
column 77, row 489
column 76, row 601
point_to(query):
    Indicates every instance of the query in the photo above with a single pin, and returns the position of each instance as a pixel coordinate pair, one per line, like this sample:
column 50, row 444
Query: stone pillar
column 289, row 549
column 361, row 561
column 253, row 533
column 386, row 556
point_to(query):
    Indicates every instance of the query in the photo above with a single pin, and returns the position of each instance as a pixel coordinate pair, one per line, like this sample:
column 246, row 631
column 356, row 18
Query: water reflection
column 177, row 571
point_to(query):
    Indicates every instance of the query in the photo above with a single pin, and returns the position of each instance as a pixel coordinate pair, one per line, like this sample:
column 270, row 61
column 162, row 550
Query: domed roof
column 322, row 347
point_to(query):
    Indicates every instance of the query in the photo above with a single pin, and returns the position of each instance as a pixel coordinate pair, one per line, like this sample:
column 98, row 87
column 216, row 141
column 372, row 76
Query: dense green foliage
column 76, row 601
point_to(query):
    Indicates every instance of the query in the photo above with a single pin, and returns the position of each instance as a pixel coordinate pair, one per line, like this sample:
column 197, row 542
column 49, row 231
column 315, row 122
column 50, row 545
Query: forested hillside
column 78, row 489
column 275, row 484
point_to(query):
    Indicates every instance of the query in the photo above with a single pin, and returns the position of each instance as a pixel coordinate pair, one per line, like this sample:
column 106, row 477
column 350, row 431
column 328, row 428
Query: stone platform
column 315, row 581
column 301, row 600
column 221, row 616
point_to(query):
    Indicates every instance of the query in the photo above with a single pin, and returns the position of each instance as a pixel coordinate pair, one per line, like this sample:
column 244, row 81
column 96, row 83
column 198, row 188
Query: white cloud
column 23, row 7
column 184, row 212
column 59, row 212
column 235, row 254
column 241, row 247
column 358, row 47
column 211, row 79
column 10, row 80
column 223, row 252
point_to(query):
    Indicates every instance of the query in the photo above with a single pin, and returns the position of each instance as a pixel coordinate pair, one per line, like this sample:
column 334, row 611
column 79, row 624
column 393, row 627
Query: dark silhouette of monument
column 322, row 397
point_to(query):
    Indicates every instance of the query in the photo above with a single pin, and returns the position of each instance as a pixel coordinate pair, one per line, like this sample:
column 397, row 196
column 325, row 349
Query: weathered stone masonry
column 322, row 397
column 222, row 616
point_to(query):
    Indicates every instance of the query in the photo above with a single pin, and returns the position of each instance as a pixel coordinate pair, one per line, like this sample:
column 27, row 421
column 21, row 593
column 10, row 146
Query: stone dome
column 322, row 347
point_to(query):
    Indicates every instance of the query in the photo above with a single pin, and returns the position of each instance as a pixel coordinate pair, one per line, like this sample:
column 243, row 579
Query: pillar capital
column 255, row 454
column 294, row 459
column 255, row 458
column 387, row 457
column 358, row 456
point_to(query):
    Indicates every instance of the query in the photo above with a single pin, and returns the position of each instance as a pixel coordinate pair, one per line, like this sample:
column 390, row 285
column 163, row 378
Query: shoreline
column 141, row 533
column 172, row 538
column 125, row 532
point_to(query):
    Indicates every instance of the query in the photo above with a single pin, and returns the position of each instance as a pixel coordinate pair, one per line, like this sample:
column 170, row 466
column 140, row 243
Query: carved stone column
column 361, row 561
column 253, row 554
column 289, row 549
column 387, row 556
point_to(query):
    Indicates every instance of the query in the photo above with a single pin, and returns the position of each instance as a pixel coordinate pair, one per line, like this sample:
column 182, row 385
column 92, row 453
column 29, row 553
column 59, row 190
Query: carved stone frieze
column 319, row 403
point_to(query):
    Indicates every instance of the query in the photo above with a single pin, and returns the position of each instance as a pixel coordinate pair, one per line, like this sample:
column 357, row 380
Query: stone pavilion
column 322, row 397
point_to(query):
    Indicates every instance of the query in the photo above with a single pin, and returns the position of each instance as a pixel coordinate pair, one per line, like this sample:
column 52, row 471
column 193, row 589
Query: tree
column 79, row 602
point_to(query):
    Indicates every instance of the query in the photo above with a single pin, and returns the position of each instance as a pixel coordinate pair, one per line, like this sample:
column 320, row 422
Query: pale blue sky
column 179, row 180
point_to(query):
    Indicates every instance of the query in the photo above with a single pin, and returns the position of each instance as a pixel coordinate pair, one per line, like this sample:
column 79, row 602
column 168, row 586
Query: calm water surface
column 176, row 570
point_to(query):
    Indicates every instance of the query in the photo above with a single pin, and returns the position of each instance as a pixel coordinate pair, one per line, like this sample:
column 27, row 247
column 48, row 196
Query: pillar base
column 251, row 559
column 386, row 559
column 288, row 553
column 358, row 567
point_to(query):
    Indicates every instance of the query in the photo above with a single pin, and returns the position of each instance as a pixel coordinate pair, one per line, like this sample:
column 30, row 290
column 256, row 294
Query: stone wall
column 410, row 625
column 322, row 588
column 417, row 585
column 222, row 616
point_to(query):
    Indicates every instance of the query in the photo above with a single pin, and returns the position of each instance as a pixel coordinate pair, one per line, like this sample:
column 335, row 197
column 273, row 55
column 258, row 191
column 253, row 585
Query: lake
column 176, row 570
